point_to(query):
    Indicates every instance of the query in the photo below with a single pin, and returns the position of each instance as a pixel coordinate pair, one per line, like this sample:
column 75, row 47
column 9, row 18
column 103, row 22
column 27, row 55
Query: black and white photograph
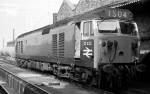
column 74, row 47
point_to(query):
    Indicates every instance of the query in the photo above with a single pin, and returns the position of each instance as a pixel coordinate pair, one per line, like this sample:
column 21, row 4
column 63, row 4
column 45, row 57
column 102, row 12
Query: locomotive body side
column 31, row 50
column 55, row 47
column 29, row 46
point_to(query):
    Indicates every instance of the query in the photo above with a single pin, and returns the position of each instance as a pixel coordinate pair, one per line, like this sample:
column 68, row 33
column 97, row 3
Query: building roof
column 72, row 6
column 121, row 3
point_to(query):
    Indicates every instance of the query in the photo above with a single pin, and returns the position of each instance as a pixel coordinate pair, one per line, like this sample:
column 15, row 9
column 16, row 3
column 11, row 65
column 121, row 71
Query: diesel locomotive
column 100, row 47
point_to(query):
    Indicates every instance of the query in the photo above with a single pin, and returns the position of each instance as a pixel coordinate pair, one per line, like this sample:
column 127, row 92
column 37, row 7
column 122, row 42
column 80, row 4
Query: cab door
column 87, row 43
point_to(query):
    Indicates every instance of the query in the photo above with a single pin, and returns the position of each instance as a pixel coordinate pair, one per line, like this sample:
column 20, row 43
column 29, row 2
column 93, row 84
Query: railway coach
column 99, row 47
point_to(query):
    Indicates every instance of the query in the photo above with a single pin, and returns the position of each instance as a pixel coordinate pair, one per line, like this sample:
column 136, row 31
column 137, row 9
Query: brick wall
column 86, row 5
column 66, row 10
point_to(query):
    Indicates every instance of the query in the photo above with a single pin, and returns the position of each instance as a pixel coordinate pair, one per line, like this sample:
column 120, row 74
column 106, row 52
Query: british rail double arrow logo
column 87, row 52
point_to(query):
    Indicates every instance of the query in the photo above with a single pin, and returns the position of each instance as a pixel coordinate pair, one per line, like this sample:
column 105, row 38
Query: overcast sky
column 25, row 15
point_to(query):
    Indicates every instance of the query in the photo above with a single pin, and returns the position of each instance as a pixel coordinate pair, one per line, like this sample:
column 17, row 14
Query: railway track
column 15, row 80
column 2, row 91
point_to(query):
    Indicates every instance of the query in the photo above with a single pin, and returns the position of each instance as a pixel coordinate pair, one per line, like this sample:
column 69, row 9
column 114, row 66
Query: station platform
column 22, row 81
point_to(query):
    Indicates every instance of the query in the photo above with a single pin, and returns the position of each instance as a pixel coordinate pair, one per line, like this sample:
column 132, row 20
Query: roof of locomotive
column 100, row 13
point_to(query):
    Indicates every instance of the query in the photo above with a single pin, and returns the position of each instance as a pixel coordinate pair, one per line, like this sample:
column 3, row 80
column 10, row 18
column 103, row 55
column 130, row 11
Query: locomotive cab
column 108, row 41
column 116, row 42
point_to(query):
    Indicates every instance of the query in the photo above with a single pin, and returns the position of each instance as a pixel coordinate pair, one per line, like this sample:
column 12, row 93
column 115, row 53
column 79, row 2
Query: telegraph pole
column 3, row 42
column 13, row 34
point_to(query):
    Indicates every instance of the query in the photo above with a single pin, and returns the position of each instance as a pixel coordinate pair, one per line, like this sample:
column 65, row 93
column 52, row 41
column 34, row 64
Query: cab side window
column 91, row 28
column 88, row 29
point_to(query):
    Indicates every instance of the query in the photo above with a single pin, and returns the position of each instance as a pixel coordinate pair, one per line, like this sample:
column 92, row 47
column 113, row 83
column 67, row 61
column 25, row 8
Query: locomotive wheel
column 90, row 81
column 110, row 78
column 99, row 81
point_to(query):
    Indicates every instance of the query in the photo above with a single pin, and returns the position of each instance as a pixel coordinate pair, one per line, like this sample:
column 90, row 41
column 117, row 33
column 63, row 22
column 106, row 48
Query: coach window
column 19, row 46
column 88, row 29
column 16, row 46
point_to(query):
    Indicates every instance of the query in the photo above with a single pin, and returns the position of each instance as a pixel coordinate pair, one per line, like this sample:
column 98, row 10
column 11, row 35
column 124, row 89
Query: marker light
column 103, row 44
column 109, row 44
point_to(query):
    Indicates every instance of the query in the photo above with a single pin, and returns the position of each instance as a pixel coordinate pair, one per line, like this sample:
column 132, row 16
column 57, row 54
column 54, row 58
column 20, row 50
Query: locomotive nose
column 116, row 49
column 108, row 50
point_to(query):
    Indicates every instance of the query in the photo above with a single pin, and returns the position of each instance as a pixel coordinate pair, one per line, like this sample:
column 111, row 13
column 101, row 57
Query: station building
column 11, row 43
